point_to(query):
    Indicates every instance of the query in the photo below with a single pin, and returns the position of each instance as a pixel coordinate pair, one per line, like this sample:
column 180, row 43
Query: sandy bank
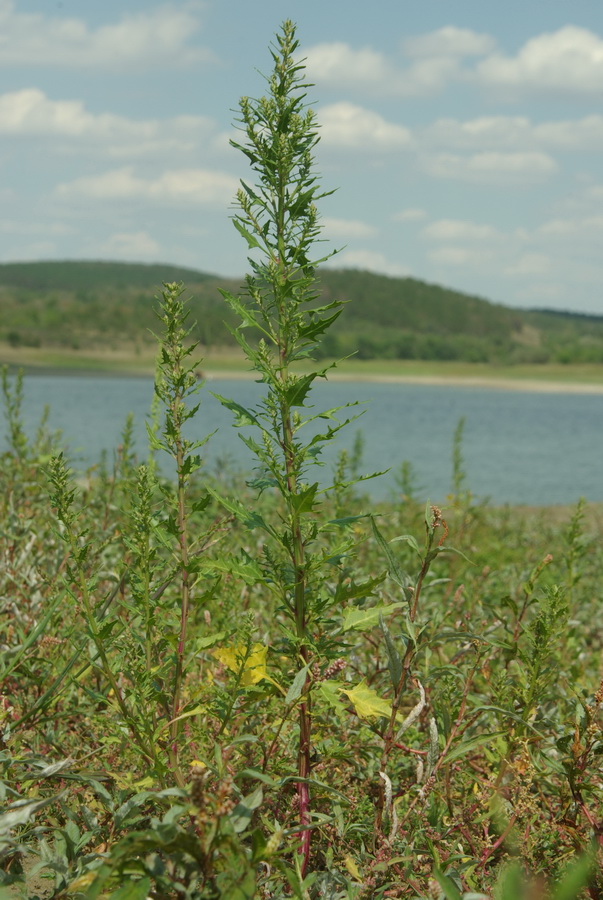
column 503, row 384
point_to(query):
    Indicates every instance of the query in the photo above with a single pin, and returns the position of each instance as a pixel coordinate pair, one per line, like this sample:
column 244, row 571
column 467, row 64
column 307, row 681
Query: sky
column 464, row 139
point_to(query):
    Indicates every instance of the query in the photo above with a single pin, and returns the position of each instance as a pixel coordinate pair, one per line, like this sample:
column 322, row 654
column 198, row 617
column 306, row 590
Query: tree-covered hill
column 79, row 275
column 85, row 305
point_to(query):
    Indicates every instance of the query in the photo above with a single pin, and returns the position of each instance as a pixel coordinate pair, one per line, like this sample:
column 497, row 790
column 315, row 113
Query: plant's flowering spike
column 414, row 713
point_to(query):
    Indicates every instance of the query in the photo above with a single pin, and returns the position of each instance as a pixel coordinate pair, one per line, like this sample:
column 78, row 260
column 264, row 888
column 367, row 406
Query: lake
column 518, row 447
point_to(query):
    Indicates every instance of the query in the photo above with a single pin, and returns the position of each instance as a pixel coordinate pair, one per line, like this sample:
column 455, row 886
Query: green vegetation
column 264, row 689
column 87, row 306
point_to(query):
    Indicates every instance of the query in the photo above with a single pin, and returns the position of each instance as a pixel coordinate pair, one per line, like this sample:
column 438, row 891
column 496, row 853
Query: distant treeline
column 84, row 305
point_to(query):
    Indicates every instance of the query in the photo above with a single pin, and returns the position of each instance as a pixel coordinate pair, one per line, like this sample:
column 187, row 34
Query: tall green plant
column 12, row 395
column 278, row 219
column 176, row 385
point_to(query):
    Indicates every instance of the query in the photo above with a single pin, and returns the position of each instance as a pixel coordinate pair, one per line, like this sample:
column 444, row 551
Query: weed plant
column 214, row 688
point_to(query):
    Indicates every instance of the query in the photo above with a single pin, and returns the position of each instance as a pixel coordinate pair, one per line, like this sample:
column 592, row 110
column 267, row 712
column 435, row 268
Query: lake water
column 518, row 447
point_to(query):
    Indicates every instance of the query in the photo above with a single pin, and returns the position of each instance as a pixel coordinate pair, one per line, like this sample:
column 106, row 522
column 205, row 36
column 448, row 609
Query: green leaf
column 394, row 660
column 508, row 714
column 428, row 517
column 247, row 569
column 20, row 813
column 472, row 744
column 133, row 890
column 318, row 326
column 349, row 590
column 247, row 318
column 575, row 879
column 239, row 881
column 344, row 522
column 131, row 805
column 330, row 693
column 203, row 642
column 242, row 416
column 451, row 892
column 297, row 390
column 408, row 539
column 303, row 502
column 240, row 816
column 200, row 505
column 54, row 768
column 246, row 516
column 252, row 241
column 393, row 567
column 454, row 550
column 297, row 686
column 365, row 619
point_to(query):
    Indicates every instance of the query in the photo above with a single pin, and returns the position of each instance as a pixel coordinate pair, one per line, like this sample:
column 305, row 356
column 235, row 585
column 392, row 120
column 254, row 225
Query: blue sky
column 464, row 139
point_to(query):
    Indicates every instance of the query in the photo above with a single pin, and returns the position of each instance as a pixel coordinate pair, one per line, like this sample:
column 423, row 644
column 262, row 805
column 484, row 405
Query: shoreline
column 477, row 382
column 534, row 385
column 553, row 379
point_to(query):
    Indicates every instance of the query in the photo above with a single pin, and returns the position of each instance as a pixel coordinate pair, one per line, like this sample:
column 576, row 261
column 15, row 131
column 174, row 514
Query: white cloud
column 190, row 186
column 133, row 245
column 30, row 113
column 585, row 228
column 567, row 60
column 154, row 36
column 483, row 132
column 340, row 65
column 586, row 133
column 368, row 71
column 460, row 256
column 346, row 228
column 586, row 200
column 356, row 128
column 517, row 132
column 412, row 214
column 456, row 230
column 450, row 41
column 530, row 264
column 371, row 261
column 426, row 76
column 492, row 167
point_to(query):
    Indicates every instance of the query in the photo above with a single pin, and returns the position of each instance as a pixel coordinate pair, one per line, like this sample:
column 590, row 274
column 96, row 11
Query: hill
column 86, row 305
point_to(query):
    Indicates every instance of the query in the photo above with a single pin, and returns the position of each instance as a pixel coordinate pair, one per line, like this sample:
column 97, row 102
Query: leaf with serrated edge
column 367, row 702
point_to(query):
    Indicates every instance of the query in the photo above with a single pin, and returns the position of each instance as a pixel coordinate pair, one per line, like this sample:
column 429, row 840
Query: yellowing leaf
column 352, row 868
column 81, row 883
column 367, row 702
column 145, row 783
column 255, row 664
